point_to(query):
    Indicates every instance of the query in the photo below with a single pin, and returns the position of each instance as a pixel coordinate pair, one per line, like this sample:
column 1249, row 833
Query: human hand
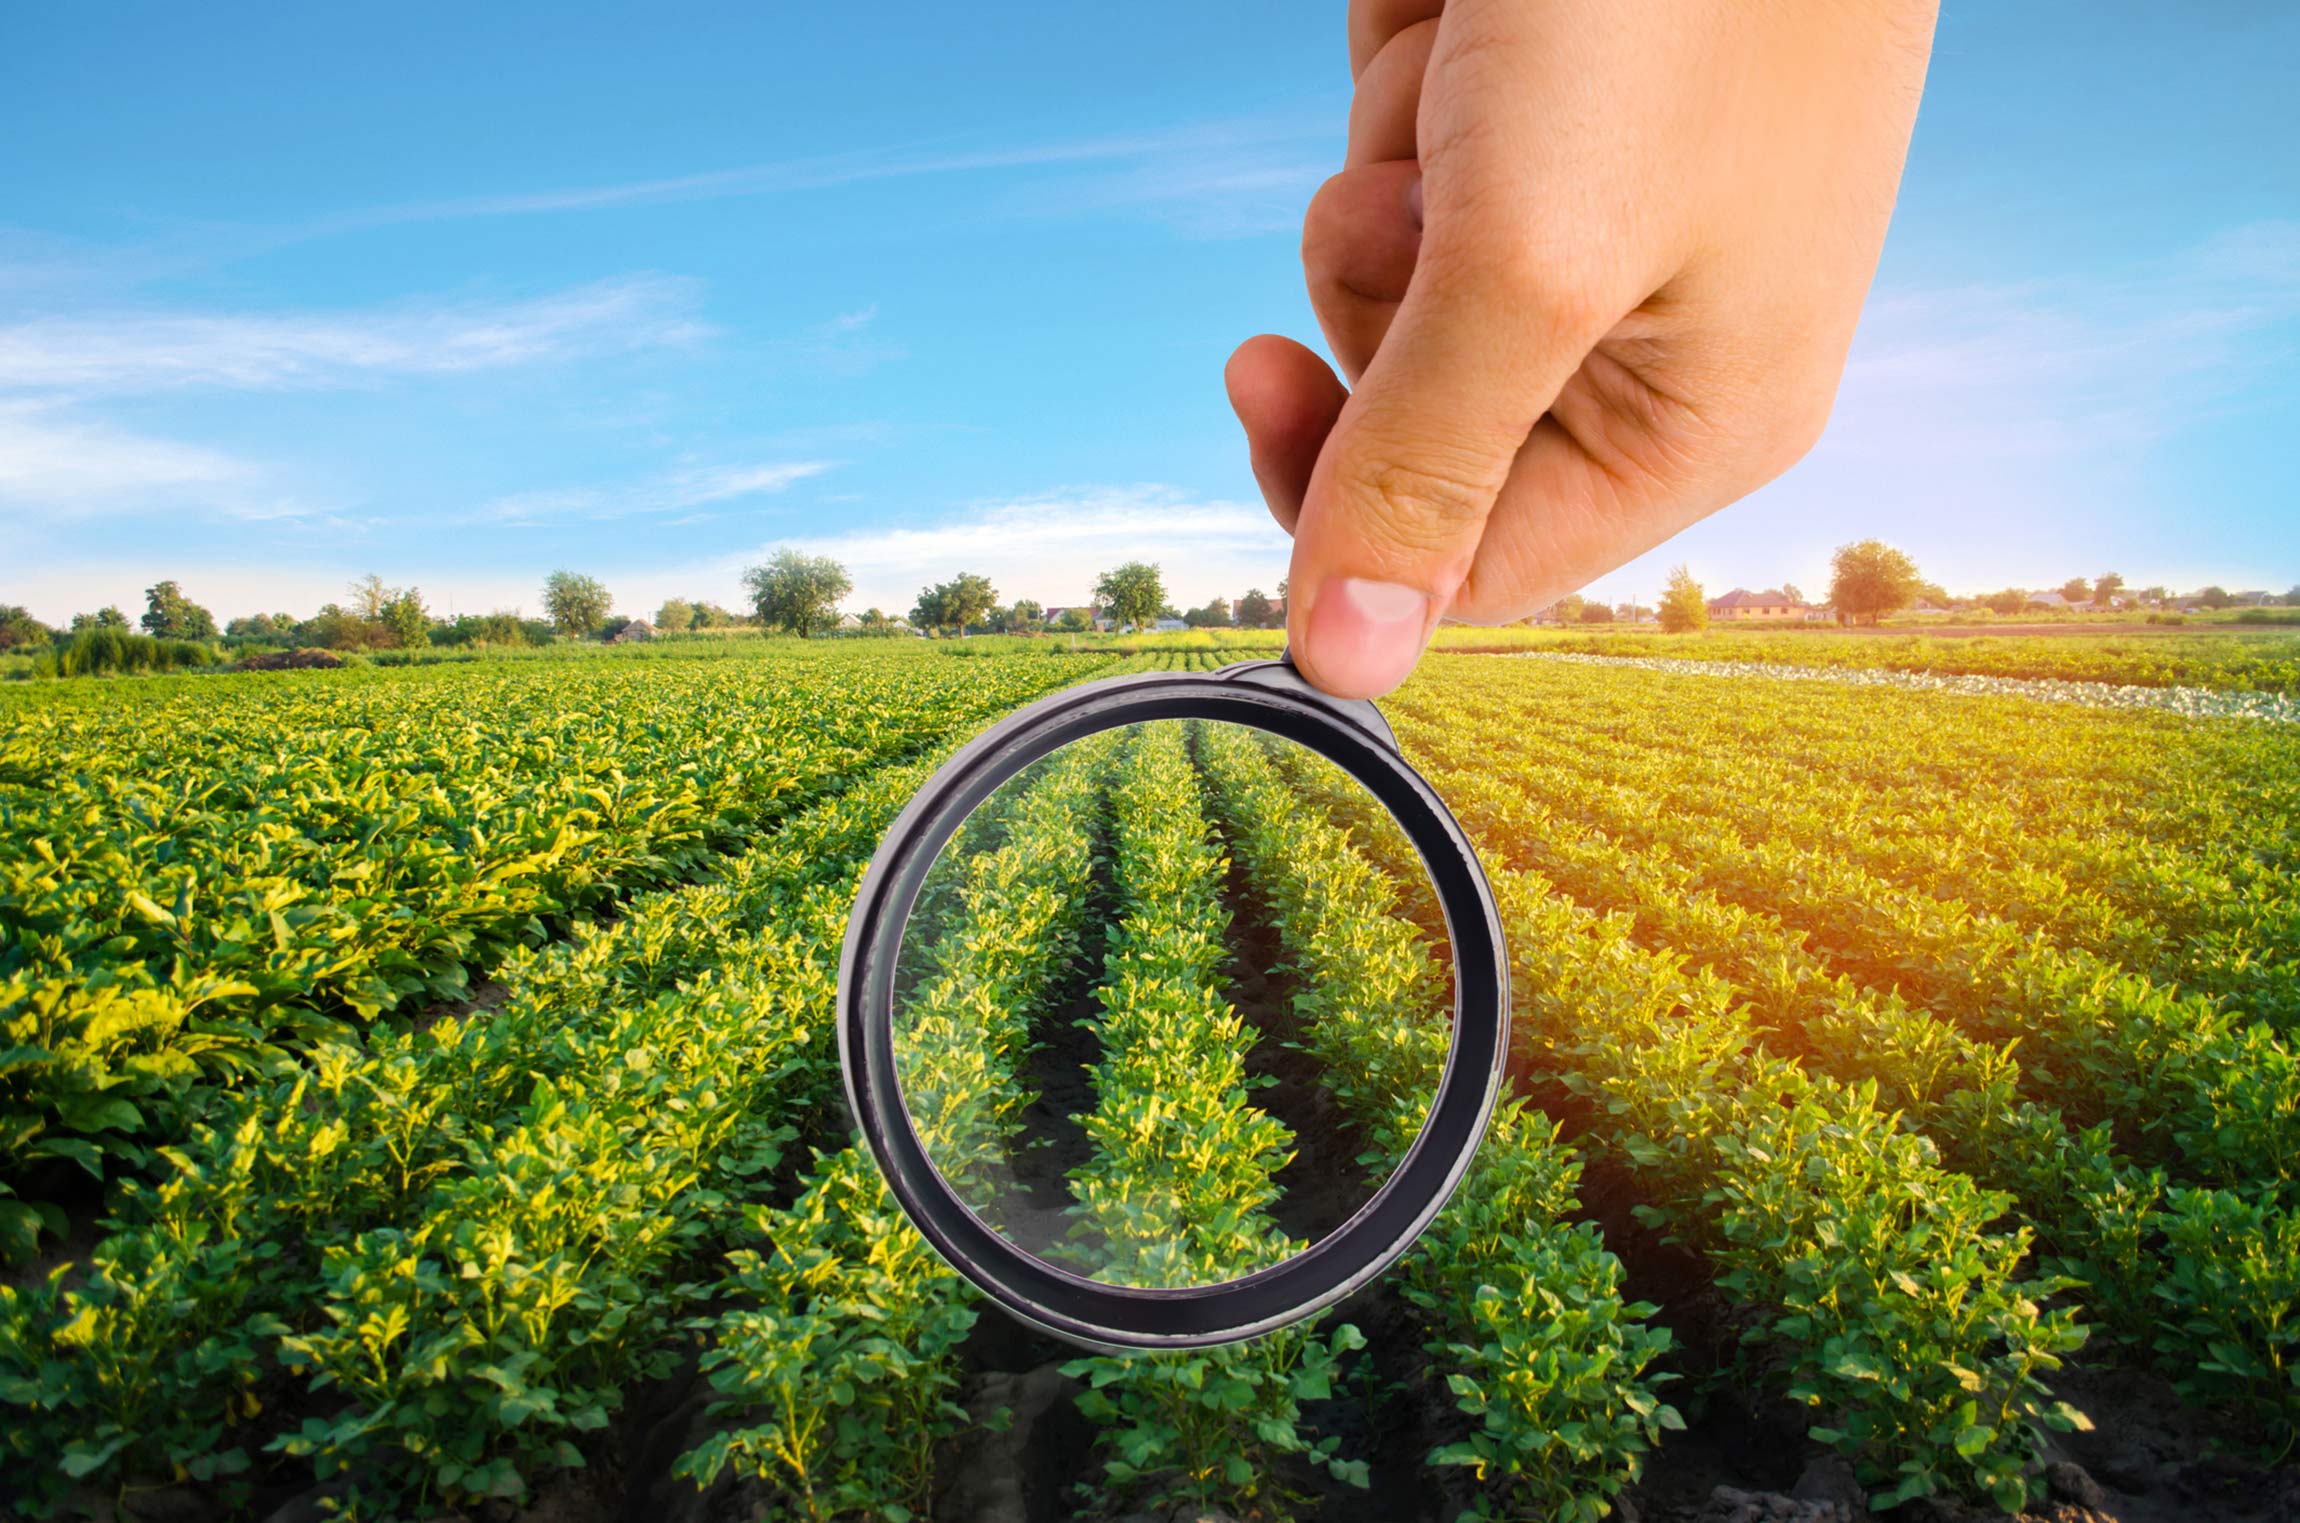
column 1591, row 269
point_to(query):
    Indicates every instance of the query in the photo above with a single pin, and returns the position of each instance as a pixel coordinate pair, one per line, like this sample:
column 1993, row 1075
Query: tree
column 1684, row 608
column 1074, row 621
column 1790, row 592
column 577, row 605
column 336, row 627
column 2155, row 594
column 169, row 615
column 1255, row 611
column 501, row 627
column 712, row 616
column 106, row 617
column 368, row 597
column 404, row 618
column 1215, row 615
column 2075, row 590
column 798, row 592
column 2215, row 597
column 2011, row 600
column 262, row 627
column 1596, row 613
column 954, row 604
column 1933, row 593
column 1026, row 617
column 1131, row 594
column 2105, row 587
column 1569, row 608
column 675, row 614
column 20, row 631
column 1870, row 579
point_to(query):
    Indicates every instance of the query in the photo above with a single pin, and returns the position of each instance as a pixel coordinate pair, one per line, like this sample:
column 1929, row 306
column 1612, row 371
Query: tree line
column 800, row 594
column 1870, row 579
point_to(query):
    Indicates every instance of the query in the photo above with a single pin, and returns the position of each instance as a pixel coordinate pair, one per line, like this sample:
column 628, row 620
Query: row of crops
column 1949, row 1034
column 2222, row 660
column 189, row 889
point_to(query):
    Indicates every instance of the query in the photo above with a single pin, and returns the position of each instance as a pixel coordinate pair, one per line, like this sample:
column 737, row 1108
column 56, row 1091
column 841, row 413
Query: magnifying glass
column 1090, row 1022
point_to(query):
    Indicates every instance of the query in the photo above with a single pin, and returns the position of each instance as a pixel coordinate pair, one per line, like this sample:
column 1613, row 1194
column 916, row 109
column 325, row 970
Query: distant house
column 1167, row 626
column 637, row 629
column 2048, row 600
column 1741, row 603
column 1924, row 605
column 850, row 621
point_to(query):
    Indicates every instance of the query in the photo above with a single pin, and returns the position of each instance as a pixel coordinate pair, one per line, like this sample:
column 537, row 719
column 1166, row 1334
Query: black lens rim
column 1268, row 696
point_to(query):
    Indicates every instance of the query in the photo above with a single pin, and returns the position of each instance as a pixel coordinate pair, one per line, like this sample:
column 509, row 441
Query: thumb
column 1390, row 524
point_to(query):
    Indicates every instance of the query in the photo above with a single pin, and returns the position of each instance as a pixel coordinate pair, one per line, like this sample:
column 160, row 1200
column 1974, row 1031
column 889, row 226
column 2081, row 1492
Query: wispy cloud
column 1048, row 547
column 1244, row 191
column 894, row 162
column 845, row 345
column 144, row 351
column 677, row 491
column 1053, row 547
column 1189, row 176
column 60, row 466
column 2106, row 361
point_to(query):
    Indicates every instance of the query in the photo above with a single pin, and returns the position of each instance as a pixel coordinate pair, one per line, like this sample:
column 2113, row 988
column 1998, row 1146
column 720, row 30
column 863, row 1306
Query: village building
column 1741, row 603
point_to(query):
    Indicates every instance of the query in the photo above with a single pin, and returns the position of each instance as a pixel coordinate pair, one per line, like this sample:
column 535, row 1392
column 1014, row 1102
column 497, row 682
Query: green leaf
column 81, row 1461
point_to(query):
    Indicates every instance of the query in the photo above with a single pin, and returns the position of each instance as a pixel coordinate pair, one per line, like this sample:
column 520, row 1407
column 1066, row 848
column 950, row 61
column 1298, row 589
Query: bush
column 93, row 652
column 289, row 660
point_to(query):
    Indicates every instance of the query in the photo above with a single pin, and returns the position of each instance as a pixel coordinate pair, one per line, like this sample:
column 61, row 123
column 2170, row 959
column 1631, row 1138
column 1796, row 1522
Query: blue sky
column 463, row 294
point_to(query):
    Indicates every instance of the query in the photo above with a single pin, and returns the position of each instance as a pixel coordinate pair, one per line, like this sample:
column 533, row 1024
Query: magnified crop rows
column 419, row 1093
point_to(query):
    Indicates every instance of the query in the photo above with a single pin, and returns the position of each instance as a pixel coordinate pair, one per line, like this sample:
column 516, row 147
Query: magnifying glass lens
column 1132, row 1029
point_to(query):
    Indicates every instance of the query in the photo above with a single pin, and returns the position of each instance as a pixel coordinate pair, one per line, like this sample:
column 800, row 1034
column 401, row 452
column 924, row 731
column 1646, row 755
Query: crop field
column 419, row 1098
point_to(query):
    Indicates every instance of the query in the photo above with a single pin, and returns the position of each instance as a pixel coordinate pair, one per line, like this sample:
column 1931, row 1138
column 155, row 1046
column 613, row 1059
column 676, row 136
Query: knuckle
column 1562, row 295
column 1415, row 506
column 1502, row 255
